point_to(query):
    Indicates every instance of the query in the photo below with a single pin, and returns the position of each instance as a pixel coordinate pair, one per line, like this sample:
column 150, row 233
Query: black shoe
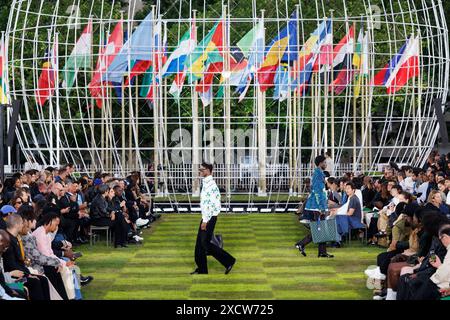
column 85, row 280
column 81, row 241
column 325, row 255
column 197, row 272
column 227, row 270
column 301, row 249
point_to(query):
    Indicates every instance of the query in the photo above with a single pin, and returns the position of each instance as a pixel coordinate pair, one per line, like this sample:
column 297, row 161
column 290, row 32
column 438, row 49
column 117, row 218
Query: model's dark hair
column 319, row 159
column 207, row 166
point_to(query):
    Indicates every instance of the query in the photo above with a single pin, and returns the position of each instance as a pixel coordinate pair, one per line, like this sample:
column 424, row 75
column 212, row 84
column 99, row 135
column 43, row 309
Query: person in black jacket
column 4, row 245
column 73, row 220
column 103, row 213
column 14, row 260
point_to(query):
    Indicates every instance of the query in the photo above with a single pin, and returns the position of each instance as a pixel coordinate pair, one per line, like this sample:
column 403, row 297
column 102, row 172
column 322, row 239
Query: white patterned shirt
column 209, row 199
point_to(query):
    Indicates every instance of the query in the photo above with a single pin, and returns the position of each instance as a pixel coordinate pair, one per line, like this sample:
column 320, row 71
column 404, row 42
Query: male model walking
column 316, row 205
column 210, row 206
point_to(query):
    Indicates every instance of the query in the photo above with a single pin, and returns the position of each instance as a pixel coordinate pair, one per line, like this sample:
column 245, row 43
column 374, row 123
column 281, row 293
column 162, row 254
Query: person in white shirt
column 210, row 207
column 409, row 184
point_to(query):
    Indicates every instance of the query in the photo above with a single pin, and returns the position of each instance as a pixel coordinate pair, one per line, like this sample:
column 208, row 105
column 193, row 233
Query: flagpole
column 419, row 102
column 332, row 96
column 363, row 99
column 58, row 109
column 50, row 112
column 261, row 101
column 136, row 121
column 354, row 115
column 226, row 100
column 290, row 129
column 325, row 111
column 102, row 111
column 5, row 79
column 195, row 125
column 155, row 119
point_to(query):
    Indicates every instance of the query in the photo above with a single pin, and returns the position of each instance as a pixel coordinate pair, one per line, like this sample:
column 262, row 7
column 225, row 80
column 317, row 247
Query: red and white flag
column 106, row 57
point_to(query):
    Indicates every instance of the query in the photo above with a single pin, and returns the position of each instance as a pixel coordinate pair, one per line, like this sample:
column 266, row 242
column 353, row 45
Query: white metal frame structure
column 131, row 133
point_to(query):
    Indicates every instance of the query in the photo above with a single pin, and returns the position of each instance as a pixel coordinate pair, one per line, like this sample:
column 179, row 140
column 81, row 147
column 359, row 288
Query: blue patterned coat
column 317, row 200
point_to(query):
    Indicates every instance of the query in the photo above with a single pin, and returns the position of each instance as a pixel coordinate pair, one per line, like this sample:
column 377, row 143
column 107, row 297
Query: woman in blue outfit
column 316, row 205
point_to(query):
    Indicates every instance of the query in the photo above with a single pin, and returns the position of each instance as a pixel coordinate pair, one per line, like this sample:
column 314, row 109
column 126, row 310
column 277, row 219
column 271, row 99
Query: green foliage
column 391, row 29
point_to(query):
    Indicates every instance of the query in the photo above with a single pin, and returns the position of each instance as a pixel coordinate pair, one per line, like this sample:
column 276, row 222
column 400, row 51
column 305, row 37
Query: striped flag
column 3, row 74
column 80, row 58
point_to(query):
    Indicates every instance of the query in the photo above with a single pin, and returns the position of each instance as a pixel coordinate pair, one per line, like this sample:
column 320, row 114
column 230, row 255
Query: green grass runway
column 268, row 265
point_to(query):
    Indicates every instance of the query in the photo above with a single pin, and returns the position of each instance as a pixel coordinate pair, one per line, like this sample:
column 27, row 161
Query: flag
column 384, row 74
column 106, row 56
column 407, row 68
column 324, row 48
column 342, row 62
column 308, row 56
column 80, row 58
column 283, row 48
column 281, row 82
column 206, row 97
column 252, row 46
column 344, row 75
column 3, row 74
column 175, row 62
column 344, row 47
column 138, row 67
column 208, row 51
column 151, row 66
column 361, row 63
column 47, row 79
column 138, row 47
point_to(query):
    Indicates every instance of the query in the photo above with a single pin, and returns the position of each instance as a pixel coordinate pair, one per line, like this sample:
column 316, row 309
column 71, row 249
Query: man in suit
column 14, row 260
column 210, row 206
column 6, row 293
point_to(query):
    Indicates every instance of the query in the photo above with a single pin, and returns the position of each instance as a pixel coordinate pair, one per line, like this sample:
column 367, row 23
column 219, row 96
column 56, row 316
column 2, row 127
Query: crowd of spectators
column 46, row 214
column 406, row 211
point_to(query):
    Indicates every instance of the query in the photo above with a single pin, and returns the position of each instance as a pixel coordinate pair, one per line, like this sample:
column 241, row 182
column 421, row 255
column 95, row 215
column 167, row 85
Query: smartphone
column 22, row 280
column 432, row 256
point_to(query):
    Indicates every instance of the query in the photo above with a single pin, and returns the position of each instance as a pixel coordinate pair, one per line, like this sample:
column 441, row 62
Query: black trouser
column 384, row 259
column 55, row 278
column 118, row 226
column 373, row 228
column 203, row 247
column 120, row 229
column 306, row 240
column 38, row 288
column 69, row 227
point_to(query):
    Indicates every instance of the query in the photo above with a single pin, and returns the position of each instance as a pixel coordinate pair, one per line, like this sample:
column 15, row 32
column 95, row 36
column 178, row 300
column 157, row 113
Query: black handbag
column 217, row 240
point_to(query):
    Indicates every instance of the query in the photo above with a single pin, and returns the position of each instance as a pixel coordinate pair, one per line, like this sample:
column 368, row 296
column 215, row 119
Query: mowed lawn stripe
column 268, row 266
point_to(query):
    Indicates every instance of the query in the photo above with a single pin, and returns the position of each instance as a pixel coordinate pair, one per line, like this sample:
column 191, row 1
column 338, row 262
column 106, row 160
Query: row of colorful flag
column 280, row 64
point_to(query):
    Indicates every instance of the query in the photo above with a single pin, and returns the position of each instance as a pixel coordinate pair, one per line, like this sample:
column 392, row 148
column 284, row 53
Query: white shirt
column 408, row 185
column 442, row 275
column 423, row 189
column 209, row 199
column 330, row 166
column 448, row 199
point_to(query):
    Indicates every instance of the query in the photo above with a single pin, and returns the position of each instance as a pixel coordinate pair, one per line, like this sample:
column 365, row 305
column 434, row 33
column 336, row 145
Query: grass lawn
column 268, row 265
column 282, row 197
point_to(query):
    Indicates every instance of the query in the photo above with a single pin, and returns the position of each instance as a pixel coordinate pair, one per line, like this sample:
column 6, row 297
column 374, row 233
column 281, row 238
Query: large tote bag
column 324, row 231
